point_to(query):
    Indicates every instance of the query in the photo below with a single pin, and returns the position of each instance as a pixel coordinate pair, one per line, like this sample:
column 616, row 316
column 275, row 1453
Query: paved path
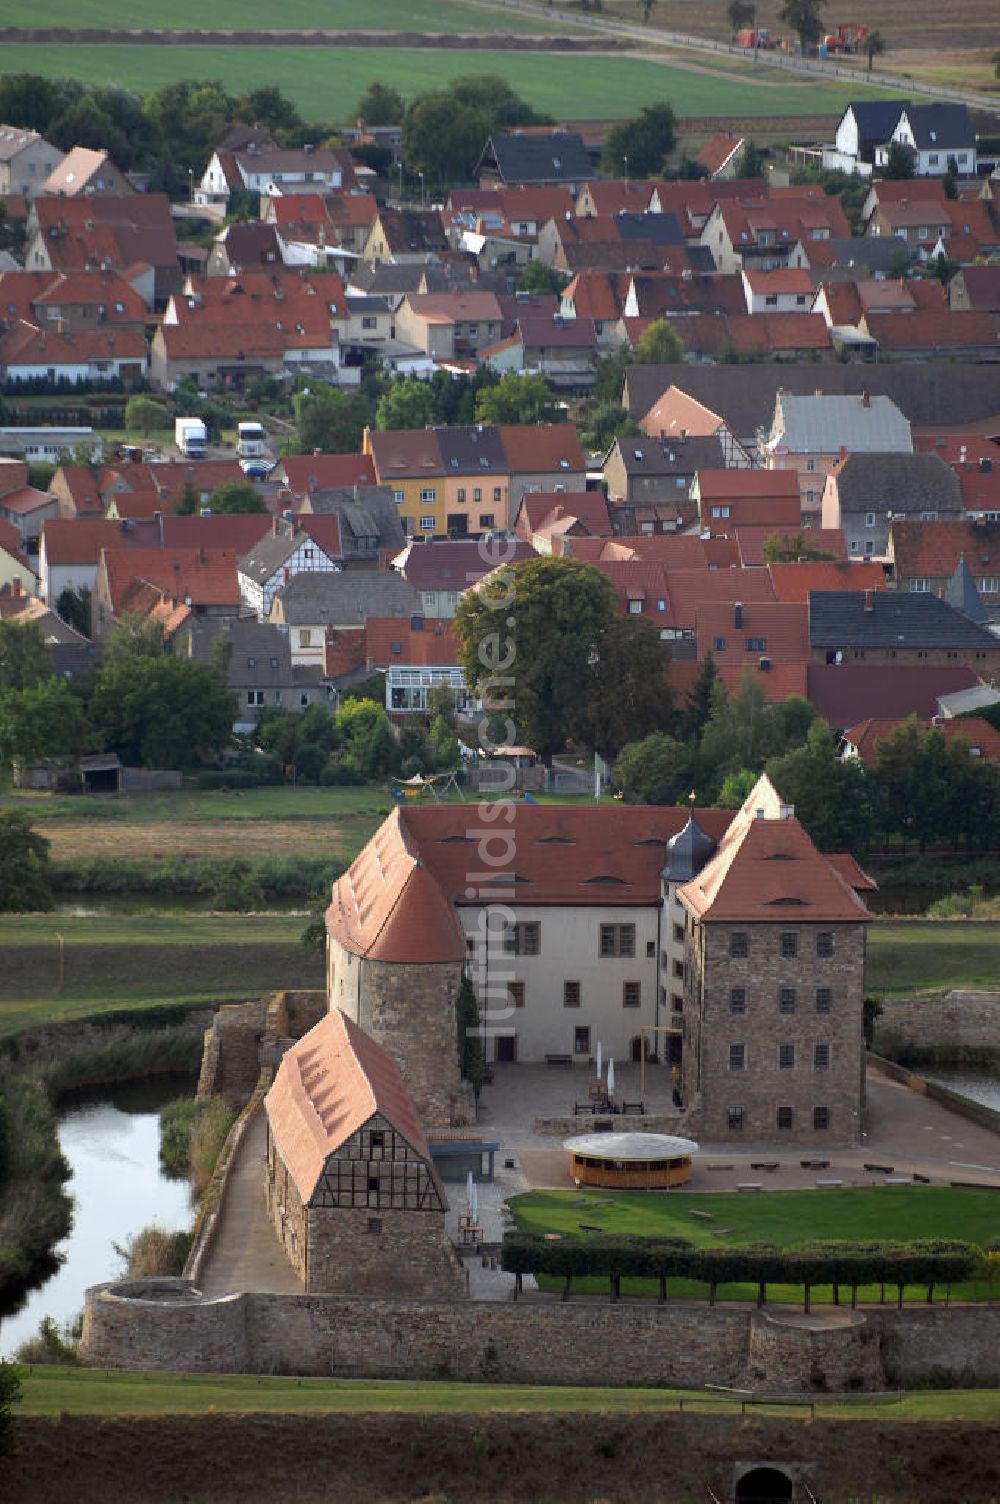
column 245, row 1253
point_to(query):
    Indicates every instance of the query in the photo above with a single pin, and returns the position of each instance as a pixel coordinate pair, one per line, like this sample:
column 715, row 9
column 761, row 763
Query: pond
column 978, row 1085
column 112, row 1143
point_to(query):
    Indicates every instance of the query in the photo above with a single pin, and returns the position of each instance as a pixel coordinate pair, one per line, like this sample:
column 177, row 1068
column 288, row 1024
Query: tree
column 518, row 399
column 368, row 738
column 236, row 496
column 470, row 1049
column 741, row 13
column 267, row 106
column 444, row 743
column 44, row 720
column 24, row 868
column 381, row 105
column 736, row 787
column 659, row 345
column 742, row 730
column 10, row 1394
column 407, row 404
column 700, row 700
column 444, row 138
column 134, row 637
column 656, row 770
column 189, row 501
column 143, row 415
column 606, row 422
column 25, row 656
column 74, row 607
column 803, row 16
column 627, row 694
column 873, row 46
column 787, row 548
column 164, row 712
column 829, row 792
column 753, row 162
column 901, row 161
column 330, row 421
column 638, row 148
column 536, row 277
column 527, row 637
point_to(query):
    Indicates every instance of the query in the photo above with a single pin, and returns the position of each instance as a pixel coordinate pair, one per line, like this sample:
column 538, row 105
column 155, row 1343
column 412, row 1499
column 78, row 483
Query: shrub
column 228, row 778
column 341, row 770
column 52, row 1344
column 207, row 1138
column 192, row 1133
column 152, row 1250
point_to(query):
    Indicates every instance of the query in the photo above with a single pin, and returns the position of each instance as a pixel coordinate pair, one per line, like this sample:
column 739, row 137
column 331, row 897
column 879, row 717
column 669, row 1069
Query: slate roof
column 455, row 564
column 897, row 483
column 844, row 693
column 472, row 450
column 346, row 598
column 269, row 554
column 822, row 425
column 545, row 157
column 364, row 512
column 931, row 394
column 329, row 1084
column 642, row 456
column 940, row 126
column 890, row 619
column 961, row 593
column 876, row 120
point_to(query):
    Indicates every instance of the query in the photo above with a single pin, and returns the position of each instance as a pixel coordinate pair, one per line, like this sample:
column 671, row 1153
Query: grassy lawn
column 895, row 1213
column 144, row 961
column 325, row 83
column 258, row 15
column 76, row 1391
column 926, row 955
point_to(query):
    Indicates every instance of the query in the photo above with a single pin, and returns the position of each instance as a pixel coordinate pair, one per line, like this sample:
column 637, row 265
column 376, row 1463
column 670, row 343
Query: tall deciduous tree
column 407, row 404
column 829, row 792
column 332, row 422
column 518, row 399
column 874, row 46
column 803, row 16
column 627, row 694
column 164, row 712
column 236, row 496
column 24, row 865
column 380, row 104
column 656, row 770
column 638, row 147
column 25, row 656
column 528, row 638
column 740, row 14
column 44, row 720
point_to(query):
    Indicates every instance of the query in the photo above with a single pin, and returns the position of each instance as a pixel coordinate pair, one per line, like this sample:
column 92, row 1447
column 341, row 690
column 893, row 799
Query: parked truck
column 848, row 37
column 191, row 437
column 757, row 37
column 251, row 441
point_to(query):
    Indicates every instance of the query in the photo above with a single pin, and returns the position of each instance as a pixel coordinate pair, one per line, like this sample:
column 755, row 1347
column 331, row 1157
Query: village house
column 865, row 493
column 367, row 517
column 784, row 291
column 313, row 604
column 441, row 572
column 728, row 499
column 762, row 233
column 809, row 435
column 975, row 287
column 85, row 171
column 88, row 356
column 260, row 167
column 405, row 236
column 26, row 509
column 26, row 159
column 167, row 585
column 290, row 548
column 541, row 457
column 351, row 1188
column 73, row 301
column 653, row 469
column 533, row 157
column 415, row 656
column 861, row 741
column 259, row 668
column 925, row 554
column 449, row 326
column 941, row 137
column 15, row 568
column 114, row 232
column 888, row 626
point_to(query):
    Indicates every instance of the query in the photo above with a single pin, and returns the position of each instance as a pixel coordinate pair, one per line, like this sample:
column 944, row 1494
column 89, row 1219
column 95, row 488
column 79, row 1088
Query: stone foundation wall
column 230, row 1062
column 946, row 1020
column 165, row 1324
column 409, row 1255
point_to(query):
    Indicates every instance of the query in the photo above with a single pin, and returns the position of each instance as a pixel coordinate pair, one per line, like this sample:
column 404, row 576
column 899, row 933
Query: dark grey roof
column 687, row 852
column 550, row 157
column 876, row 119
column 864, row 254
column 931, row 393
column 345, row 600
column 961, row 593
column 364, row 511
column 898, row 483
column 258, row 653
column 267, row 556
column 471, row 448
column 410, row 231
column 658, row 229
column 941, row 126
column 642, row 456
column 890, row 619
column 364, row 302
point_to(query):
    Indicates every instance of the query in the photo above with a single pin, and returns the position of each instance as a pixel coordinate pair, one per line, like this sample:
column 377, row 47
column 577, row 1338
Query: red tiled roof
column 213, row 341
column 844, row 693
column 675, row 413
column 793, row 582
column 542, row 447
column 78, row 540
column 783, row 627
column 782, row 279
column 931, row 550
column 10, row 542
column 751, row 540
column 345, row 651
column 548, row 511
column 24, row 500
column 387, row 906
column 717, row 151
column 208, row 575
column 329, row 1084
column 769, row 872
column 307, row 472
column 620, row 196
column 642, row 580
column 691, row 589
column 854, row 875
column 778, row 331
column 745, row 485
column 24, row 344
column 866, row 735
column 593, row 295
column 456, row 564
column 391, row 640
column 926, row 330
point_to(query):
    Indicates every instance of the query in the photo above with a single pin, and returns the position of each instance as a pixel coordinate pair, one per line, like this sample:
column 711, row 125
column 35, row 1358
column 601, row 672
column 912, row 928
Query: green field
column 143, row 960
column 926, row 955
column 784, row 1218
column 280, row 802
column 325, row 83
column 74, row 1391
column 294, row 15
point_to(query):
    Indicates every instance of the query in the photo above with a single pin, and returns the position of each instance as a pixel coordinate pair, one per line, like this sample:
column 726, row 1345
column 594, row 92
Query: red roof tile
column 931, row 550
column 392, row 640
column 329, row 1084
column 693, row 588
column 946, row 329
column 844, row 693
column 308, row 472
column 542, row 448
column 793, row 582
column 208, row 575
column 751, row 540
column 866, row 735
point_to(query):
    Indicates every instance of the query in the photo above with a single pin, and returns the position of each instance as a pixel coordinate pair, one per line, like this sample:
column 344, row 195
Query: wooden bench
column 764, row 1164
column 921, row 1179
column 559, row 1060
column 879, row 1169
column 815, row 1164
column 748, row 1185
column 718, row 1167
column 634, row 1109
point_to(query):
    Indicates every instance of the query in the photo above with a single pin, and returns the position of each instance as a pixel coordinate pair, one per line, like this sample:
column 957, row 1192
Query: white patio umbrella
column 611, row 1076
column 474, row 1202
column 470, row 1189
column 599, row 1059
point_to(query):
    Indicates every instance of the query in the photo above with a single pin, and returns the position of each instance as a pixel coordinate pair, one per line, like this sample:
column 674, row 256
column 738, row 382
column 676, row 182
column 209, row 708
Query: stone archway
column 764, row 1485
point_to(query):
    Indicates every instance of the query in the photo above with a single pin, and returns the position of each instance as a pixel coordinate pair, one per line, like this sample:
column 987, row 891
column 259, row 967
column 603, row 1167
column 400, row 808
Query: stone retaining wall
column 606, row 1123
column 166, row 1324
column 945, row 1020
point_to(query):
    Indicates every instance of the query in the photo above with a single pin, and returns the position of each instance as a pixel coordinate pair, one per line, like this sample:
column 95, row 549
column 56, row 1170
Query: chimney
column 286, row 575
column 866, row 401
column 869, row 600
column 738, row 614
column 843, row 451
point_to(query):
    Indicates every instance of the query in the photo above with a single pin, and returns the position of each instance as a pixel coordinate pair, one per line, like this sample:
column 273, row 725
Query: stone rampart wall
column 947, row 1021
column 535, row 1340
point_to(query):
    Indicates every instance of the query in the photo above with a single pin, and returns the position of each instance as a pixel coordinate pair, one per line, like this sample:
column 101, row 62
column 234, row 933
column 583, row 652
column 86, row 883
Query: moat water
column 980, row 1086
column 112, row 1144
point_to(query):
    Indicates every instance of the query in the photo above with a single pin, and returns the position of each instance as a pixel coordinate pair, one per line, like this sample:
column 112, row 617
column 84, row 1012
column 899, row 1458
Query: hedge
column 930, row 1262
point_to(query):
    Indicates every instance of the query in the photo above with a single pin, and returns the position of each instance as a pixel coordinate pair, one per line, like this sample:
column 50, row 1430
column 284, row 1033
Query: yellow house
column 409, row 461
column 447, row 482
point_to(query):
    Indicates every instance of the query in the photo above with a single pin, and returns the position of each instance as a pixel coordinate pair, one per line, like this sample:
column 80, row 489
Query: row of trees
column 926, row 1262
column 356, row 744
